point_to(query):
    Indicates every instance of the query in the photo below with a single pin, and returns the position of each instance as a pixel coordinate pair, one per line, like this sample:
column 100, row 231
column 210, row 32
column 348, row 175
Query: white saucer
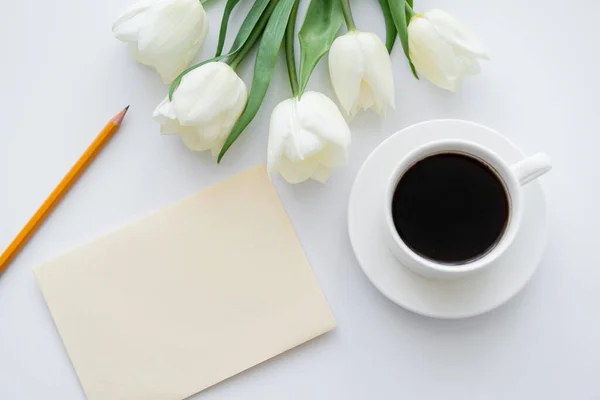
column 441, row 299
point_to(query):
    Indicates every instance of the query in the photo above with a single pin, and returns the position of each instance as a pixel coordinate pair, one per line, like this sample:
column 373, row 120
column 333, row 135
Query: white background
column 64, row 76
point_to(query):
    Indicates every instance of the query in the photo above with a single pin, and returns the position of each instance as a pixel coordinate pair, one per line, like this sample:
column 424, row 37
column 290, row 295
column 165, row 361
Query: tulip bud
column 164, row 34
column 443, row 50
column 360, row 70
column 205, row 106
column 308, row 137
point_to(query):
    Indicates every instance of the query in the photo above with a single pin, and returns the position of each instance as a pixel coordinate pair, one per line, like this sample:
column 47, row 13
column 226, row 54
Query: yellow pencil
column 60, row 191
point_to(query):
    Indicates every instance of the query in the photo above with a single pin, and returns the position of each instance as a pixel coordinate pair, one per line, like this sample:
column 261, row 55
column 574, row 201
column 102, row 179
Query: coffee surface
column 450, row 208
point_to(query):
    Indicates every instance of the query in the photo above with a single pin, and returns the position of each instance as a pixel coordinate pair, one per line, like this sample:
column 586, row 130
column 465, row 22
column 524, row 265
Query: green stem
column 239, row 57
column 290, row 57
column 224, row 24
column 409, row 10
column 258, row 30
column 348, row 15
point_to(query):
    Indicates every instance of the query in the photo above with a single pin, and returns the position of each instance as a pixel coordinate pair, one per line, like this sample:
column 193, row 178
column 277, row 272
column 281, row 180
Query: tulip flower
column 164, row 34
column 443, row 50
column 360, row 70
column 308, row 137
column 204, row 108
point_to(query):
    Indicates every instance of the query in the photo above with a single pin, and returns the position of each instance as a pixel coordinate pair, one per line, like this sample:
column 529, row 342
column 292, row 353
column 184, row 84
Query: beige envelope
column 186, row 297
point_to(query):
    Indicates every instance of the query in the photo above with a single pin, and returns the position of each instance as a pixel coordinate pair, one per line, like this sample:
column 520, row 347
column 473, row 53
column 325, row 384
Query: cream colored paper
column 186, row 297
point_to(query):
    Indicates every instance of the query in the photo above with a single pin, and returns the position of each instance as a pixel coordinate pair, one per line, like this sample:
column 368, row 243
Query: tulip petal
column 334, row 156
column 299, row 171
column 320, row 115
column 322, row 174
column 169, row 128
column 164, row 34
column 133, row 49
column 207, row 92
column 279, row 131
column 212, row 131
column 217, row 146
column 172, row 34
column 195, row 141
column 432, row 56
column 303, row 142
column 307, row 138
column 346, row 69
column 467, row 64
column 236, row 109
column 167, row 68
column 456, row 33
column 378, row 73
column 204, row 108
column 127, row 25
column 166, row 116
column 366, row 99
column 361, row 73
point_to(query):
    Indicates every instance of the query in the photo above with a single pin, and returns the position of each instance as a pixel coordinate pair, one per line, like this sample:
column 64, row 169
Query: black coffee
column 450, row 208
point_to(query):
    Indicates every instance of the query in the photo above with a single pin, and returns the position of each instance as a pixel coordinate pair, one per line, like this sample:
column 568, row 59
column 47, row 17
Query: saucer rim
column 541, row 235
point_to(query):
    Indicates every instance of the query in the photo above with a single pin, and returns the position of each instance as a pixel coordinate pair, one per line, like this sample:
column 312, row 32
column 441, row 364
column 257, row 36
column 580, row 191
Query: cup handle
column 531, row 168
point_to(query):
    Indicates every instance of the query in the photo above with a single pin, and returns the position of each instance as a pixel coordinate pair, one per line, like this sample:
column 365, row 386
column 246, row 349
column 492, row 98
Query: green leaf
column 251, row 24
column 398, row 10
column 224, row 22
column 408, row 12
column 249, row 31
column 390, row 28
column 290, row 55
column 321, row 23
column 177, row 81
column 266, row 58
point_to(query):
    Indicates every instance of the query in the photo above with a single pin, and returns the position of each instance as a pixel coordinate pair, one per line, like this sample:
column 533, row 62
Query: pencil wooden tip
column 117, row 119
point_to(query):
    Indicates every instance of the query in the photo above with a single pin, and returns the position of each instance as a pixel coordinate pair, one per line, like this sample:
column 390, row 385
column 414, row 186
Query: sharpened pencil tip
column 117, row 119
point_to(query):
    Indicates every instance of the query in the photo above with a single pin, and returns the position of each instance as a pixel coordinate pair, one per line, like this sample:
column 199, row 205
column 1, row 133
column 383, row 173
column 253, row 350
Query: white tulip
column 164, row 34
column 205, row 106
column 360, row 70
column 308, row 137
column 443, row 50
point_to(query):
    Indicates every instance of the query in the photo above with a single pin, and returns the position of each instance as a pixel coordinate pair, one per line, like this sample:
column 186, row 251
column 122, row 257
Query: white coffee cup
column 513, row 177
